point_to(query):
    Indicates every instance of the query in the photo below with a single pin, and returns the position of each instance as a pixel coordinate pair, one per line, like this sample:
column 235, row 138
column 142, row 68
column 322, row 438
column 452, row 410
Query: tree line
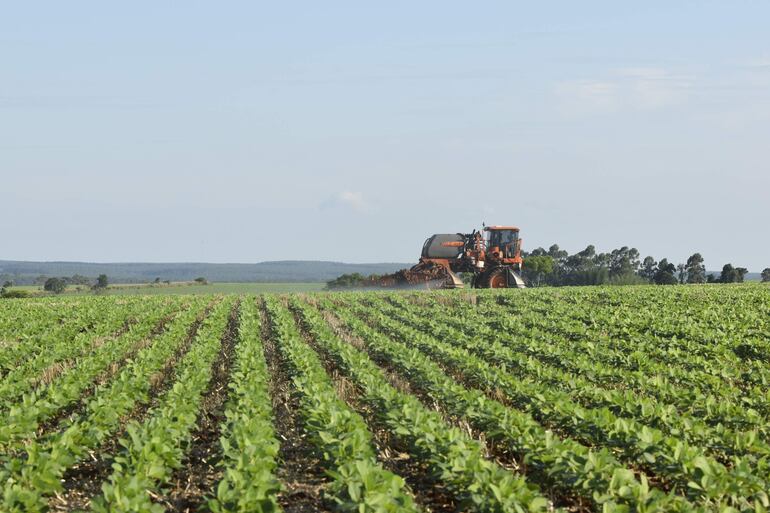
column 58, row 285
column 623, row 266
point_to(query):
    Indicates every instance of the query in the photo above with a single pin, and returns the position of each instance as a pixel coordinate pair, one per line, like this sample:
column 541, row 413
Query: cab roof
column 495, row 228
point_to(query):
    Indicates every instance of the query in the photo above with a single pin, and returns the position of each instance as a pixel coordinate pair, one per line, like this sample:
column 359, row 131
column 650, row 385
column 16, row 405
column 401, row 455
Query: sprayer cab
column 503, row 245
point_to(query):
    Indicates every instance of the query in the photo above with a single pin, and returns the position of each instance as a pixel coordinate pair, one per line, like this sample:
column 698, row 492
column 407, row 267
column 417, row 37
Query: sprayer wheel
column 495, row 279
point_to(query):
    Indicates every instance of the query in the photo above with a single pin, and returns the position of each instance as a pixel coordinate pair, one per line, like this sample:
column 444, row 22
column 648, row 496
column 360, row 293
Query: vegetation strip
column 199, row 472
column 684, row 467
column 82, row 482
column 156, row 447
column 697, row 349
column 593, row 474
column 63, row 351
column 52, row 403
column 36, row 326
column 248, row 443
column 429, row 495
column 30, row 477
column 720, row 441
column 457, row 460
column 359, row 483
column 300, row 470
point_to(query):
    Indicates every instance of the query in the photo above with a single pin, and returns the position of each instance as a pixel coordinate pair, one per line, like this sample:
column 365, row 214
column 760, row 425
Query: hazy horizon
column 351, row 132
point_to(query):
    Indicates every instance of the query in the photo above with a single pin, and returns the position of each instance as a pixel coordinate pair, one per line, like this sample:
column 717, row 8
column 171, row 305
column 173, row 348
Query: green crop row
column 718, row 440
column 23, row 418
column 455, row 459
column 717, row 342
column 24, row 325
column 659, row 384
column 682, row 466
column 28, row 478
column 360, row 483
column 154, row 448
column 62, row 348
column 593, row 474
column 249, row 444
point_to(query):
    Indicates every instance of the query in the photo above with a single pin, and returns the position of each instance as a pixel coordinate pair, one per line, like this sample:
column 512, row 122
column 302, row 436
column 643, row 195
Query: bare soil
column 501, row 452
column 77, row 408
column 393, row 455
column 82, row 482
column 299, row 470
column 200, row 473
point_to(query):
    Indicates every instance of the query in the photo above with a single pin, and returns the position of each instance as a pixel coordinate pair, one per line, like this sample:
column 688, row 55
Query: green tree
column 648, row 269
column 696, row 271
column 536, row 267
column 79, row 279
column 664, row 275
column 55, row 285
column 201, row 280
column 766, row 274
column 559, row 256
column 623, row 261
column 681, row 273
column 728, row 274
column 101, row 282
column 556, row 253
column 585, row 268
column 346, row 281
column 732, row 274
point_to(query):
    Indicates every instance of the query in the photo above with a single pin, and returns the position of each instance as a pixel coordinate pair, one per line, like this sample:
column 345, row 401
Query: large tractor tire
column 499, row 278
column 493, row 279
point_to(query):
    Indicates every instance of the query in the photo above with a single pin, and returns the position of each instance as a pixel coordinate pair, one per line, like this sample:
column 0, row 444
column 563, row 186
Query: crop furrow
column 199, row 472
column 248, row 444
column 682, row 467
column 359, row 482
column 580, row 473
column 455, row 458
column 720, row 441
column 31, row 477
column 156, row 447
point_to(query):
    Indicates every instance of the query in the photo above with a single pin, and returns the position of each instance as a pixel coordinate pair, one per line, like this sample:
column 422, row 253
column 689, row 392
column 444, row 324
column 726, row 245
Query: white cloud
column 624, row 89
column 591, row 94
column 346, row 199
column 651, row 88
column 761, row 63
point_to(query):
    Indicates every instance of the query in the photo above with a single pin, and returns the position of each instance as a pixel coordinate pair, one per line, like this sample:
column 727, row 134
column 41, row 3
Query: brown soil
column 499, row 452
column 300, row 471
column 199, row 473
column 82, row 482
column 500, row 396
column 394, row 456
column 77, row 408
column 56, row 369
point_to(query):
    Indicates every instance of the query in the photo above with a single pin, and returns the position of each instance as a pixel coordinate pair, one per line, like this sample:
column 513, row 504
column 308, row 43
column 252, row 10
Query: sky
column 351, row 131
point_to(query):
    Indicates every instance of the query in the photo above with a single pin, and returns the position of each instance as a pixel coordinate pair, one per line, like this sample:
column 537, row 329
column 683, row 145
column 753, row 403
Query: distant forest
column 288, row 271
column 623, row 266
column 552, row 266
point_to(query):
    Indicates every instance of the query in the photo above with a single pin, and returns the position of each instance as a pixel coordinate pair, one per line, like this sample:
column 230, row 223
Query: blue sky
column 247, row 131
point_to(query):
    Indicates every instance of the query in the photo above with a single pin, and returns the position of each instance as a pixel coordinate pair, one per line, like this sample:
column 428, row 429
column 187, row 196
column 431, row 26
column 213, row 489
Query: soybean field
column 600, row 399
